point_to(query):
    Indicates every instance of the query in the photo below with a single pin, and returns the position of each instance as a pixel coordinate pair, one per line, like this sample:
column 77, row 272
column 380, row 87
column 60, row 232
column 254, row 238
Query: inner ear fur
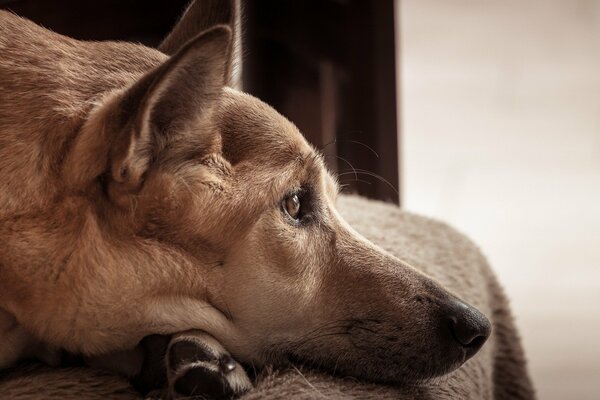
column 124, row 136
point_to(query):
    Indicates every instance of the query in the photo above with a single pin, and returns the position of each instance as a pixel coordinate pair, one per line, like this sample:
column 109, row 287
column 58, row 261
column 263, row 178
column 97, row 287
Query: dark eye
column 291, row 206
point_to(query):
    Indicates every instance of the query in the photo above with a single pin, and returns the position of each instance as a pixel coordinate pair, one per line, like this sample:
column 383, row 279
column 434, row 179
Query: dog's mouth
column 370, row 366
column 400, row 353
column 377, row 371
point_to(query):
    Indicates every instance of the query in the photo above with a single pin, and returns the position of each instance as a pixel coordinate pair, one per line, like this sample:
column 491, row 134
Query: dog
column 140, row 195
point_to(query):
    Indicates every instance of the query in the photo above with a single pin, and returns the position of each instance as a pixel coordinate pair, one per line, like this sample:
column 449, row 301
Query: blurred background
column 485, row 114
column 501, row 138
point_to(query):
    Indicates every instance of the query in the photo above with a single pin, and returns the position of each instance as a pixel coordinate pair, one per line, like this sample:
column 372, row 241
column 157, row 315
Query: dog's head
column 219, row 176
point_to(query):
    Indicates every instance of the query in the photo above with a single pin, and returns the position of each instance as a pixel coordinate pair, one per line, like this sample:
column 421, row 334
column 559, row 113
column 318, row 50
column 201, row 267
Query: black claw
column 227, row 363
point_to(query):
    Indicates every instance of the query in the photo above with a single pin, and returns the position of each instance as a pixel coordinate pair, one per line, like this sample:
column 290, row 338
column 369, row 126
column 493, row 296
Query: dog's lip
column 290, row 358
column 463, row 356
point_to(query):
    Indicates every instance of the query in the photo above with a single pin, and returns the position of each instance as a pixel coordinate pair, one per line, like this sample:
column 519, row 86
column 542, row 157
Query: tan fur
column 141, row 196
column 497, row 372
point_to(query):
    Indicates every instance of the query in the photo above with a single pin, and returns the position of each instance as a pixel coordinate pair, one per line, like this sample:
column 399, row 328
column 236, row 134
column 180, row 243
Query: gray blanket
column 498, row 371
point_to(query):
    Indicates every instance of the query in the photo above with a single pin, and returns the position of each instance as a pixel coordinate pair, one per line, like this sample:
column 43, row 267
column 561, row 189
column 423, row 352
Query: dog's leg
column 198, row 365
column 187, row 364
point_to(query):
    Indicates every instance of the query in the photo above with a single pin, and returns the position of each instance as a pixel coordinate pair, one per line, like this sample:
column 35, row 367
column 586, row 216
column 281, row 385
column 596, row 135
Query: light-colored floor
column 501, row 131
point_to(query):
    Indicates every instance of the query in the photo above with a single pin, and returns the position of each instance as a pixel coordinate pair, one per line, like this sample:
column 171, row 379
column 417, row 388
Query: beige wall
column 501, row 137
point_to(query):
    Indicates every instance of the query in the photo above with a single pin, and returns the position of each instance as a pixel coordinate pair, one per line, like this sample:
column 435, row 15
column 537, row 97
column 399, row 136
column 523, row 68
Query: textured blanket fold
column 498, row 371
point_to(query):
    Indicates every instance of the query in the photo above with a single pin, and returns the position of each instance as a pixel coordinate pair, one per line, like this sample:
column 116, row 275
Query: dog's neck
column 63, row 249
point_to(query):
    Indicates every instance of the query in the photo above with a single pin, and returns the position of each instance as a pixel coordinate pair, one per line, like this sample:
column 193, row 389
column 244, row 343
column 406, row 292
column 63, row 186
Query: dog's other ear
column 199, row 16
column 124, row 136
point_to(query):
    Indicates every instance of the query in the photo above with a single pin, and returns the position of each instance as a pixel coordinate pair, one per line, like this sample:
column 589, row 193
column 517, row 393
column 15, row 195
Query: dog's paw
column 198, row 366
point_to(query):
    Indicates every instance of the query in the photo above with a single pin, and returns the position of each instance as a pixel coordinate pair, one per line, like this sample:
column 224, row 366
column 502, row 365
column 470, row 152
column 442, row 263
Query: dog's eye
column 291, row 206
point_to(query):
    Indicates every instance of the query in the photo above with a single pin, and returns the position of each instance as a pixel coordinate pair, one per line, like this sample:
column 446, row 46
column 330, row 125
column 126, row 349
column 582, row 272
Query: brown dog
column 140, row 195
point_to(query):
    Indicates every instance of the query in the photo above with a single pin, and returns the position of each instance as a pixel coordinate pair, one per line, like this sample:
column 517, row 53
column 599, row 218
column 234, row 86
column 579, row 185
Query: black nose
column 469, row 327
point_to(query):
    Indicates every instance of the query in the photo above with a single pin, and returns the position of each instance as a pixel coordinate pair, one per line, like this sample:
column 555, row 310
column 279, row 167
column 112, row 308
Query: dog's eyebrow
column 313, row 160
column 315, row 163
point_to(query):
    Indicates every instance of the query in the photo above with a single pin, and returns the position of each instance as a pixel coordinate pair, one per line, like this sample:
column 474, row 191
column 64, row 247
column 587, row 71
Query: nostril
column 469, row 327
column 468, row 334
column 478, row 342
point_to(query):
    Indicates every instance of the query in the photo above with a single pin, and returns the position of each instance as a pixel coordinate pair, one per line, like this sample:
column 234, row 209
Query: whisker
column 357, row 180
column 362, row 144
column 328, row 144
column 350, row 164
column 374, row 175
column 307, row 382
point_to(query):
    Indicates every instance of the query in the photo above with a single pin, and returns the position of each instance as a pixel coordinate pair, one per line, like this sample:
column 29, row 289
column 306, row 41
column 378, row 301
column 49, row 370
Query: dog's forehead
column 251, row 129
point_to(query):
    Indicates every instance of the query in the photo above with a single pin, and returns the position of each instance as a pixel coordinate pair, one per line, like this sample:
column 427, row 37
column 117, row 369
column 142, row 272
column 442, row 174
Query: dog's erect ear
column 127, row 133
column 169, row 100
column 199, row 16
